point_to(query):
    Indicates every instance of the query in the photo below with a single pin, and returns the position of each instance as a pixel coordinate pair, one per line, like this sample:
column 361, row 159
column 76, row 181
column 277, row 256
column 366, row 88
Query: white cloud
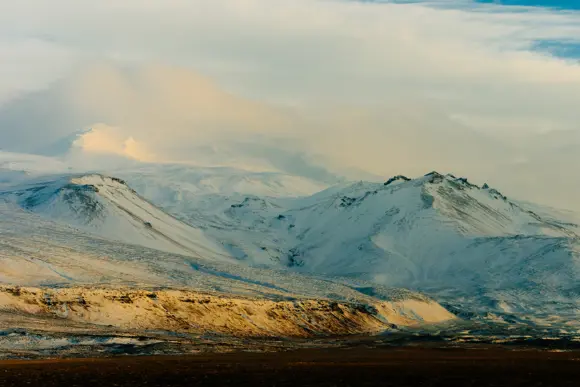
column 28, row 65
column 106, row 140
column 384, row 88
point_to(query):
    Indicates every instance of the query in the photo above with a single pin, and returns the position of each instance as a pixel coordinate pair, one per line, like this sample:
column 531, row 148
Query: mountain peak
column 107, row 206
column 433, row 173
column 98, row 179
column 397, row 178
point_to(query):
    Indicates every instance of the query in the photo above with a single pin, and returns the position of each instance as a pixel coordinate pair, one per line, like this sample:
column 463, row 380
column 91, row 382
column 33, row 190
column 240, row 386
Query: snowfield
column 108, row 207
column 289, row 252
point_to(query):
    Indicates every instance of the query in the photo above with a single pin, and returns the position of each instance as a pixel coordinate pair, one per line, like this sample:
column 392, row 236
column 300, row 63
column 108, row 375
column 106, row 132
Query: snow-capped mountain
column 468, row 245
column 178, row 184
column 482, row 254
column 17, row 163
column 106, row 206
column 54, row 277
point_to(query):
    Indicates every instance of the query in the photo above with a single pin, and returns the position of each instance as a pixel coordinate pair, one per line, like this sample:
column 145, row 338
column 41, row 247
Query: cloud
column 314, row 87
column 28, row 65
column 170, row 111
column 103, row 139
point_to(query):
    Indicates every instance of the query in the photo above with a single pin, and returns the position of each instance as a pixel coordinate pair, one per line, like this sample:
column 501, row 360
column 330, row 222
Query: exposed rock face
column 397, row 178
column 193, row 312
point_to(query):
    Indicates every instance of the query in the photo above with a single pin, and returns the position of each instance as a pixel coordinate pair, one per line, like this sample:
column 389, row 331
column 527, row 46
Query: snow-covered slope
column 482, row 254
column 32, row 164
column 470, row 246
column 175, row 183
column 107, row 207
column 50, row 271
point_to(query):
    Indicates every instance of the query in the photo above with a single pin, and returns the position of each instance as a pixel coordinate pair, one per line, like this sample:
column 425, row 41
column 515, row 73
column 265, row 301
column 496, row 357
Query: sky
column 559, row 4
column 321, row 88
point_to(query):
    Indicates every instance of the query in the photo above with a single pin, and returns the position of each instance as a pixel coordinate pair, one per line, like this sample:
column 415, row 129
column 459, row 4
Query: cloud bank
column 319, row 88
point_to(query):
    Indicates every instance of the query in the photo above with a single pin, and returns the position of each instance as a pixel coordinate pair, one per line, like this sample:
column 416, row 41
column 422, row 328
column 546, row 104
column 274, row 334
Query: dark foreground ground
column 310, row 367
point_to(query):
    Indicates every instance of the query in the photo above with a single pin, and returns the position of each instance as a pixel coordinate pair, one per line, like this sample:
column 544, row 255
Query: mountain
column 63, row 289
column 175, row 184
column 482, row 255
column 106, row 206
column 468, row 246
column 30, row 164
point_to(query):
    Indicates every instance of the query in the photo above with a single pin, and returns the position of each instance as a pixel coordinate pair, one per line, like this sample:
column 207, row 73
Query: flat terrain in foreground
column 311, row 367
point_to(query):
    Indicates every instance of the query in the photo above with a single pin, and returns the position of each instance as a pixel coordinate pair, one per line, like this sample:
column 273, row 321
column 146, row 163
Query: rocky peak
column 397, row 178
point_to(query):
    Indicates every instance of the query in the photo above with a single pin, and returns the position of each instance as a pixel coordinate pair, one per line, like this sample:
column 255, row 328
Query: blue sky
column 558, row 4
column 568, row 48
column 560, row 48
column 563, row 49
column 562, row 4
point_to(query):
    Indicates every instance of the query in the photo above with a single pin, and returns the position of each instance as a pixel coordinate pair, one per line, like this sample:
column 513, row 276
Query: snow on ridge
column 433, row 233
column 97, row 178
column 159, row 182
column 106, row 206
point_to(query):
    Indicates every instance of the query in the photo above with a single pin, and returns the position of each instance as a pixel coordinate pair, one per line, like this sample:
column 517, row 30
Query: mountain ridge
column 467, row 246
column 108, row 207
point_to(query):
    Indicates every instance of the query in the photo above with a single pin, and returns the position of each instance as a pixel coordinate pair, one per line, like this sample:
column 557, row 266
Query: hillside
column 484, row 256
column 106, row 206
column 469, row 246
column 62, row 288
